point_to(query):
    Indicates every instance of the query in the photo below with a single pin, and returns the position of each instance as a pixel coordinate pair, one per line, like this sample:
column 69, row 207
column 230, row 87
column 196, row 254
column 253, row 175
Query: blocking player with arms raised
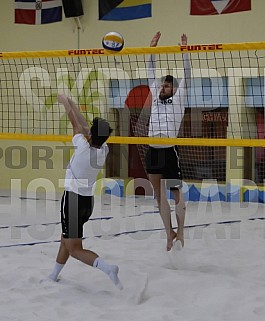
column 162, row 161
column 77, row 200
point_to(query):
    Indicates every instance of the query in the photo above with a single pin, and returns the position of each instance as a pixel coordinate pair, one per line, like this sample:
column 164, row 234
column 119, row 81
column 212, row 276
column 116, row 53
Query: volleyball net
column 224, row 107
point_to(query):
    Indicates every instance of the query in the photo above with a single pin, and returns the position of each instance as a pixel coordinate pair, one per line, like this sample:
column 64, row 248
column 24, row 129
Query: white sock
column 110, row 270
column 56, row 271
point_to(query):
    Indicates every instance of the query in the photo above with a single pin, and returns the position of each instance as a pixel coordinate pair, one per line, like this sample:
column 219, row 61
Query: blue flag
column 118, row 10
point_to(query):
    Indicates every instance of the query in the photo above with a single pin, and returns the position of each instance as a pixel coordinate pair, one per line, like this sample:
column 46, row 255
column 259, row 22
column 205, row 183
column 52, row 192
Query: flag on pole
column 214, row 7
column 36, row 12
column 118, row 10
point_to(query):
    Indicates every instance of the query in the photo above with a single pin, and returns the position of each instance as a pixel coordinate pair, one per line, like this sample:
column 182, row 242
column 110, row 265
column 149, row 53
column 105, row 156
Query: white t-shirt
column 166, row 115
column 84, row 166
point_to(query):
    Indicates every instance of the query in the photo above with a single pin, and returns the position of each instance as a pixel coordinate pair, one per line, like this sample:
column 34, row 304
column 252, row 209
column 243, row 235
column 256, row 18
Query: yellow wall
column 171, row 17
column 28, row 161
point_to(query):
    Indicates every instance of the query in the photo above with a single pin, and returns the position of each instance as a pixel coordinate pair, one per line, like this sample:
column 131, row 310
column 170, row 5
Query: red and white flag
column 214, row 7
column 36, row 12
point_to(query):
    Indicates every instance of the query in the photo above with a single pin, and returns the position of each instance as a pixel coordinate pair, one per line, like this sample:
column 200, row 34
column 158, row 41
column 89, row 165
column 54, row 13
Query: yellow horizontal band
column 147, row 140
column 191, row 48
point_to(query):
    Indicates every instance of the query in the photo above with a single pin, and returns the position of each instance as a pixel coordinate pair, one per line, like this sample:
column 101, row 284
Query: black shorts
column 165, row 161
column 75, row 211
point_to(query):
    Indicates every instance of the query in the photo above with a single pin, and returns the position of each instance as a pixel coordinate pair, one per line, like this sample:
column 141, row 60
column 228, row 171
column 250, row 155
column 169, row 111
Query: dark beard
column 163, row 98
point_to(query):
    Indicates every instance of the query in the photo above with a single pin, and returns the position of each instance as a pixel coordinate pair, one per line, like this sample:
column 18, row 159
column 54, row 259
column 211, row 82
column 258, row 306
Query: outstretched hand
column 76, row 118
column 63, row 99
column 184, row 39
column 155, row 39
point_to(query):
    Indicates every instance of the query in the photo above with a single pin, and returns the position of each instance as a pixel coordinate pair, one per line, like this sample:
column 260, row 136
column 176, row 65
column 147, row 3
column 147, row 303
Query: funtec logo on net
column 201, row 47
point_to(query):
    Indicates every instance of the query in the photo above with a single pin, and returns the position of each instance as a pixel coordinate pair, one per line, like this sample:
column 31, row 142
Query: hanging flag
column 214, row 7
column 36, row 12
column 118, row 10
column 72, row 8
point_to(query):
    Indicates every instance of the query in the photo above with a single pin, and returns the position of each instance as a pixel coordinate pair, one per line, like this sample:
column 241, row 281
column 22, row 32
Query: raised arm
column 187, row 69
column 155, row 39
column 152, row 59
column 78, row 121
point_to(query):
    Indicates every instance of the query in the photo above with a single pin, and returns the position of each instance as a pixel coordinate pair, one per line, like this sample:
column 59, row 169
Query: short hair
column 100, row 131
column 172, row 80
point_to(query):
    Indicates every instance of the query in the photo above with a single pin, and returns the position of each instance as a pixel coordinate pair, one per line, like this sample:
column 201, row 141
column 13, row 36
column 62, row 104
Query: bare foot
column 180, row 237
column 170, row 239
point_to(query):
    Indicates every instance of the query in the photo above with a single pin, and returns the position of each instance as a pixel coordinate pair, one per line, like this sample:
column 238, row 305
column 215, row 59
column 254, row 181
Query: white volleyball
column 113, row 41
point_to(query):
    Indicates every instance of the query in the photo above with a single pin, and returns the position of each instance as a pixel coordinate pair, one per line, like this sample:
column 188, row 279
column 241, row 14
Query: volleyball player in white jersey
column 77, row 201
column 162, row 161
